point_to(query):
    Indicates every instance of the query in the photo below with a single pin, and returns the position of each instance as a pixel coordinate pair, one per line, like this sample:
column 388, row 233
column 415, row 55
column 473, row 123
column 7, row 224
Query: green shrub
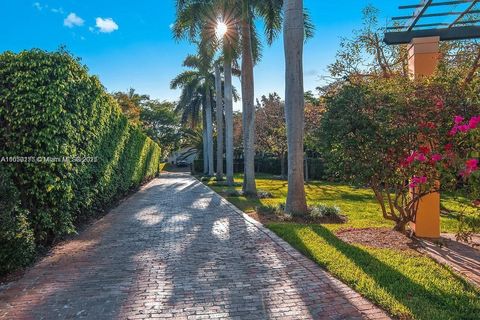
column 17, row 245
column 51, row 107
column 322, row 211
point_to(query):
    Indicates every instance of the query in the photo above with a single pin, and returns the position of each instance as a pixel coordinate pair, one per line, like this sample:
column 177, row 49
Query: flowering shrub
column 401, row 138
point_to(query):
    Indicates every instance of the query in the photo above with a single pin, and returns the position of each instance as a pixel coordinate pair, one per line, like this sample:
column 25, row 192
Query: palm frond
column 308, row 25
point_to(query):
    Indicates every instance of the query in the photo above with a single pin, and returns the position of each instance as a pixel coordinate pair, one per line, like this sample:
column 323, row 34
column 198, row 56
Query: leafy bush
column 262, row 194
column 17, row 245
column 51, row 107
column 275, row 209
column 326, row 214
column 322, row 210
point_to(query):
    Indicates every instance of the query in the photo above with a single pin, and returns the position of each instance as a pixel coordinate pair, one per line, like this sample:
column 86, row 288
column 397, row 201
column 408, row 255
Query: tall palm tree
column 230, row 46
column 197, row 89
column 219, row 117
column 227, row 70
column 294, row 35
column 271, row 14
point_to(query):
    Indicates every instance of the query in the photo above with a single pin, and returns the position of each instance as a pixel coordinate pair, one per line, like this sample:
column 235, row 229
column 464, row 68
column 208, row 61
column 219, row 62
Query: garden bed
column 382, row 238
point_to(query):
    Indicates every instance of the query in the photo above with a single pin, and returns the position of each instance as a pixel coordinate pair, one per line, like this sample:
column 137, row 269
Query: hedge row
column 271, row 165
column 51, row 107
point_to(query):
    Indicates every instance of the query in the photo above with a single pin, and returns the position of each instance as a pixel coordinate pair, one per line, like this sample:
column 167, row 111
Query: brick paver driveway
column 177, row 250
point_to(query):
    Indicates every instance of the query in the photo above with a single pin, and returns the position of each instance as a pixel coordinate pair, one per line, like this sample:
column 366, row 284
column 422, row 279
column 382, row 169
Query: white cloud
column 37, row 6
column 73, row 20
column 57, row 10
column 171, row 26
column 106, row 25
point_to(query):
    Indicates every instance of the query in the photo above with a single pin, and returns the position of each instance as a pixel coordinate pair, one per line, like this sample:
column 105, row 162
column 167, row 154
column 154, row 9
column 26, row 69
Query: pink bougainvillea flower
column 464, row 128
column 421, row 157
column 449, row 147
column 436, row 157
column 417, row 181
column 458, row 119
column 409, row 160
column 474, row 122
column 453, row 131
column 472, row 164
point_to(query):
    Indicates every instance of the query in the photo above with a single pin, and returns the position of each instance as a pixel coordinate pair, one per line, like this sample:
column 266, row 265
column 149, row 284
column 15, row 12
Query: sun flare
column 221, row 29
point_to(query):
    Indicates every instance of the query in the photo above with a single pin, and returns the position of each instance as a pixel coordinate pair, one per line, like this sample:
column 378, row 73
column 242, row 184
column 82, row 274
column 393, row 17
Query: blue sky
column 129, row 44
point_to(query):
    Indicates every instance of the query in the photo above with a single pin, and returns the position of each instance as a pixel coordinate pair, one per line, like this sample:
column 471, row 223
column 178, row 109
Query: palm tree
column 227, row 70
column 219, row 116
column 271, row 14
column 197, row 88
column 229, row 44
column 294, row 35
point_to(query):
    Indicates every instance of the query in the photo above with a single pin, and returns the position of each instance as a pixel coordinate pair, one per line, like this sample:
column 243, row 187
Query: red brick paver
column 177, row 250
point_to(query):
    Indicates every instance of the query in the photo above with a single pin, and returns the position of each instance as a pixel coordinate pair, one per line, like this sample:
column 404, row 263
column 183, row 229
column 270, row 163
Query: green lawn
column 406, row 284
column 357, row 203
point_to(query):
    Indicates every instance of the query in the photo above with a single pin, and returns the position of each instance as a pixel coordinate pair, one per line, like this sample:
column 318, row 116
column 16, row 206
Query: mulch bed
column 383, row 238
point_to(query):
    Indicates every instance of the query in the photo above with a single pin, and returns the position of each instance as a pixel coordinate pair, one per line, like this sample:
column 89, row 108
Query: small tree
column 161, row 123
column 399, row 138
column 271, row 129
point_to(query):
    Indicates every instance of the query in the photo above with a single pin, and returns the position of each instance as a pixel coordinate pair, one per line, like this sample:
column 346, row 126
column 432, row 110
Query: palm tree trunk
column 227, row 66
column 294, row 104
column 205, row 144
column 219, row 100
column 209, row 133
column 249, row 185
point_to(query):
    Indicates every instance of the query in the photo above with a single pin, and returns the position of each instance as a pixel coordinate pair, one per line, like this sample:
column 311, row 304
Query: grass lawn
column 358, row 204
column 405, row 283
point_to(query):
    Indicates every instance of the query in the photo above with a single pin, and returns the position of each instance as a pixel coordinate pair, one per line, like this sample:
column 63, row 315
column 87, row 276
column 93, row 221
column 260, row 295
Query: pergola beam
column 464, row 13
column 436, row 24
column 445, row 34
column 418, row 14
column 435, row 4
column 440, row 14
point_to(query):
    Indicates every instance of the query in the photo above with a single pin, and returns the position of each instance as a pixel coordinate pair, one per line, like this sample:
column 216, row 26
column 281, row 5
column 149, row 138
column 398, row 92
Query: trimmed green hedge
column 271, row 165
column 51, row 107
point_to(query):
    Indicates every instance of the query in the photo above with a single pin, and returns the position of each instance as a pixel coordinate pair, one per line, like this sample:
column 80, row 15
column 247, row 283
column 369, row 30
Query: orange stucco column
column 423, row 58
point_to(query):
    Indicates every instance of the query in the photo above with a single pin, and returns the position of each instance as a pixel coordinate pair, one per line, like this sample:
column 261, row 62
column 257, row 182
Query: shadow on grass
column 245, row 204
column 388, row 287
column 357, row 197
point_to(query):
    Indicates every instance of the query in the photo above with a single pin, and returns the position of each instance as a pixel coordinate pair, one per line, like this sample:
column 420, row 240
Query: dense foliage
column 51, row 107
column 383, row 133
column 158, row 119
